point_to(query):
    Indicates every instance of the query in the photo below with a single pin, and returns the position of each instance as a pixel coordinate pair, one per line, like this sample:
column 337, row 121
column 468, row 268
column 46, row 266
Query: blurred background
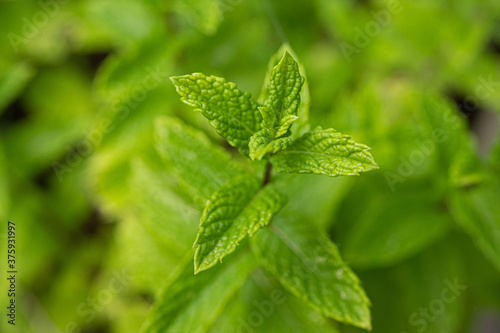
column 100, row 226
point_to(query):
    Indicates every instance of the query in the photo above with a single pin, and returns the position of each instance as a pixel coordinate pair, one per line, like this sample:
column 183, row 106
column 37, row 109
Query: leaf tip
column 255, row 156
column 287, row 55
column 196, row 267
column 372, row 164
column 199, row 265
column 175, row 79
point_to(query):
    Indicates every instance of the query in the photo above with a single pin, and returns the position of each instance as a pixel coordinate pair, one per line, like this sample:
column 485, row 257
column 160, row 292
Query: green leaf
column 262, row 143
column 285, row 125
column 192, row 303
column 200, row 166
column 47, row 98
column 124, row 25
column 280, row 110
column 301, row 126
column 206, row 15
column 163, row 213
column 13, row 79
column 134, row 242
column 282, row 312
column 308, row 264
column 315, row 198
column 268, row 139
column 145, row 67
column 494, row 158
column 393, row 227
column 478, row 212
column 407, row 294
column 461, row 167
column 4, row 185
column 233, row 113
column 237, row 210
column 326, row 152
column 284, row 87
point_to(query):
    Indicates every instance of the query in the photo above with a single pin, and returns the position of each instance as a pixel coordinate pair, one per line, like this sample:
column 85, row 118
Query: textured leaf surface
column 271, row 139
column 301, row 126
column 265, row 142
column 233, row 113
column 309, row 265
column 285, row 124
column 192, row 303
column 325, row 152
column 268, row 139
column 284, row 88
column 237, row 210
column 201, row 166
column 478, row 212
column 280, row 110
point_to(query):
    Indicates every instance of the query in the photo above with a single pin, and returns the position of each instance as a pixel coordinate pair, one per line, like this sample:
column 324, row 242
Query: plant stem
column 267, row 177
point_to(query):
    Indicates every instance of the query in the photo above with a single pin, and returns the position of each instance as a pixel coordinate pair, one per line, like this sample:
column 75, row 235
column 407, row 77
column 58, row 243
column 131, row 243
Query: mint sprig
column 247, row 201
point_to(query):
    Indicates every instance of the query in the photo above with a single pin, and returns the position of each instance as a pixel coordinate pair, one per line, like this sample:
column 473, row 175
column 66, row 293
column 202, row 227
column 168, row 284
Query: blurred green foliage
column 104, row 226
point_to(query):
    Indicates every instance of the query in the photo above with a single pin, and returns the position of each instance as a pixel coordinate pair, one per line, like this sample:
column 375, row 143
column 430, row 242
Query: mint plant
column 302, row 258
